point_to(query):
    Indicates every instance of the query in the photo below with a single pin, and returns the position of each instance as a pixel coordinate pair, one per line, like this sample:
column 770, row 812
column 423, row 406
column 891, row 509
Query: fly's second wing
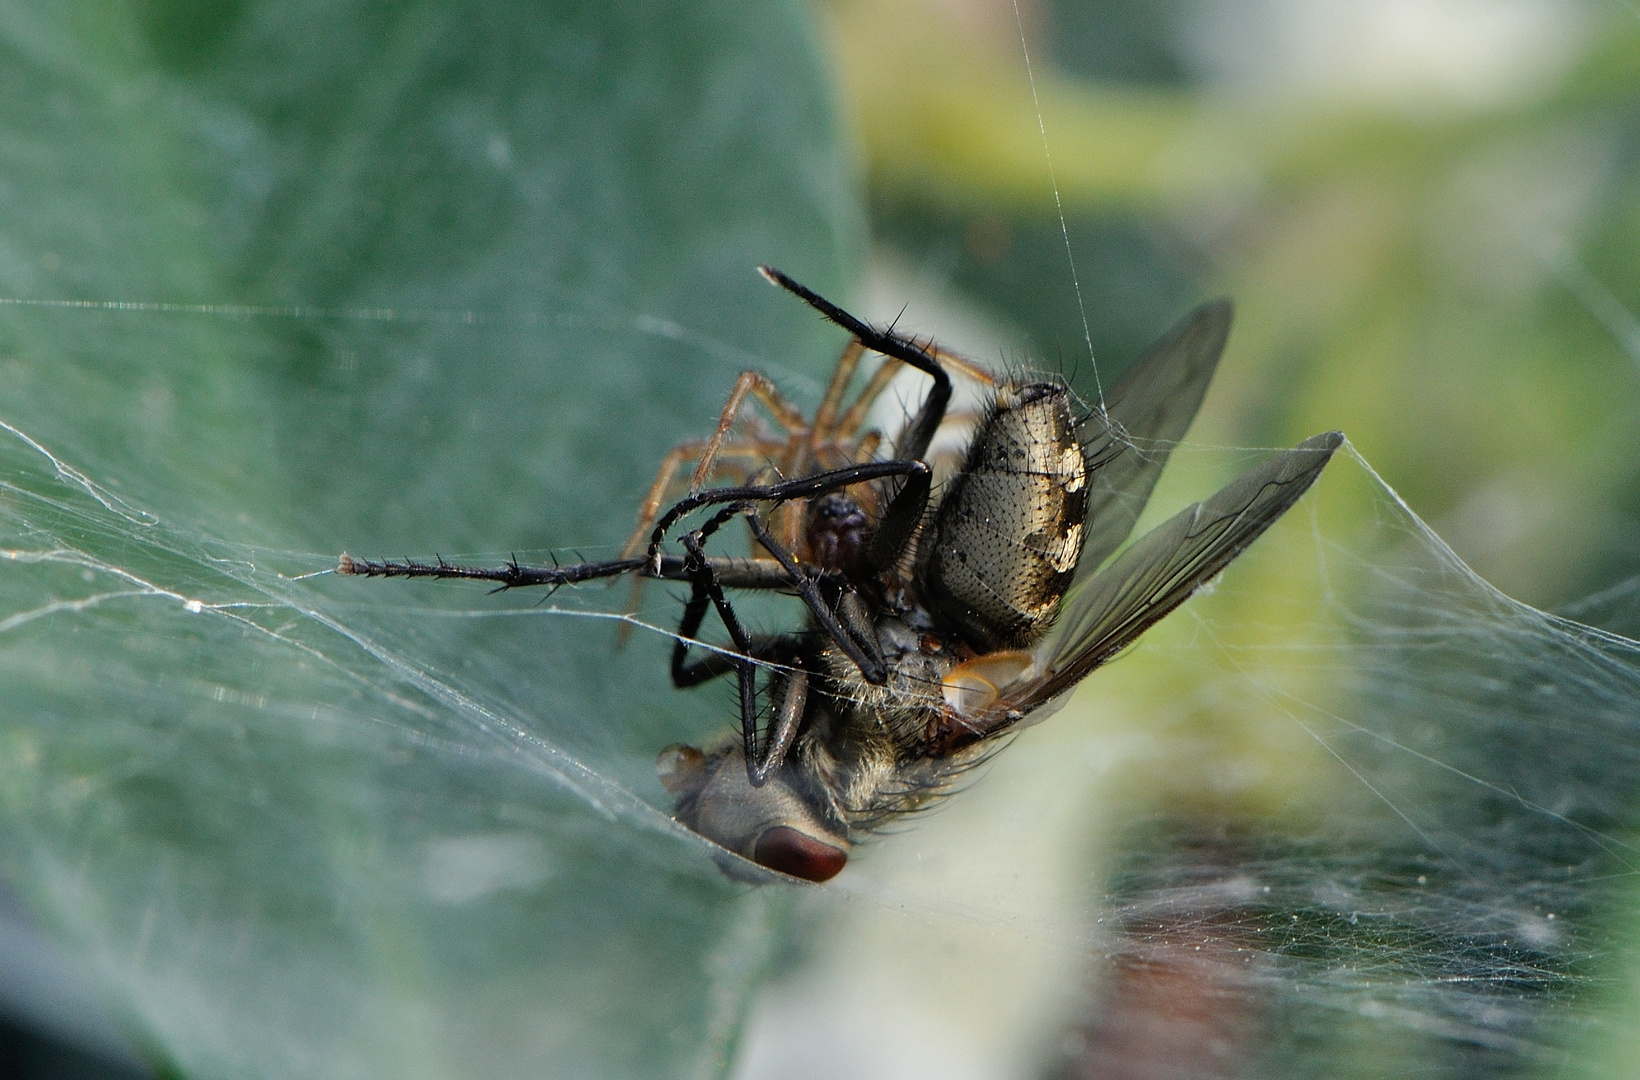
column 1156, row 574
column 1127, row 442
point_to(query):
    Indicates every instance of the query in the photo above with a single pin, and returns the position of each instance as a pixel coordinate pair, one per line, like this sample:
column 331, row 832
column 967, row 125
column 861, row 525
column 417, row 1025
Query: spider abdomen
column 1008, row 533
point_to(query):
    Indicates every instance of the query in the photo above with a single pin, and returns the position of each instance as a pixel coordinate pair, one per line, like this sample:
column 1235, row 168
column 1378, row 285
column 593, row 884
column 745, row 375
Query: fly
column 941, row 616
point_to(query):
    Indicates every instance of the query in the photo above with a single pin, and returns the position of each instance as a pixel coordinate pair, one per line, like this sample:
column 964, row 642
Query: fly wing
column 1160, row 570
column 1127, row 442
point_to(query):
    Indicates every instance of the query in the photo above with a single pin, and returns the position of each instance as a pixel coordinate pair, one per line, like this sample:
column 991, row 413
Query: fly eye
column 785, row 849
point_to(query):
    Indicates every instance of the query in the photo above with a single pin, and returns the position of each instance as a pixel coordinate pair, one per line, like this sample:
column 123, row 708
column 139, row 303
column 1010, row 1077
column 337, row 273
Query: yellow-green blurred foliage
column 1442, row 277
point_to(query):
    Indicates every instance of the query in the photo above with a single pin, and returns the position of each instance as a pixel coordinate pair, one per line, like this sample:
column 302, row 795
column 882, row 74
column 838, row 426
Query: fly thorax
column 867, row 719
column 1008, row 533
column 877, row 765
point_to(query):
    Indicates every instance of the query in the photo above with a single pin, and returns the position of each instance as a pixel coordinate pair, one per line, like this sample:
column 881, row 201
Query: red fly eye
column 785, row 849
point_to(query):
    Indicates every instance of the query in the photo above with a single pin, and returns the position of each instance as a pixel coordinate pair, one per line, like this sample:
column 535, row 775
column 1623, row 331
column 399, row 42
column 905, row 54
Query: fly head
column 770, row 825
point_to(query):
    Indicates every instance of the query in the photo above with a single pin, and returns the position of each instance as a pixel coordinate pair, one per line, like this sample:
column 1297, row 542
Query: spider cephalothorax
column 938, row 620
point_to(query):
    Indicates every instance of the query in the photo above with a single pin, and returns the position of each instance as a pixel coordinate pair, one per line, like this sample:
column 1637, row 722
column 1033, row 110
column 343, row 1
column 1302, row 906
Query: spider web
column 335, row 793
column 1353, row 799
column 1356, row 813
column 1353, row 812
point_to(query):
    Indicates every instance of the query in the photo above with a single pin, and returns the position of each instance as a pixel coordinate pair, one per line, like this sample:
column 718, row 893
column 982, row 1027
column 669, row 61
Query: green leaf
column 283, row 279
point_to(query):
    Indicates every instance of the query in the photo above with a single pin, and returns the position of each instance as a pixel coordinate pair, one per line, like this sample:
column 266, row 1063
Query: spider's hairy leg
column 826, row 416
column 651, row 505
column 650, row 508
column 853, row 420
column 866, row 448
column 759, row 386
column 962, row 366
column 785, row 491
column 919, row 432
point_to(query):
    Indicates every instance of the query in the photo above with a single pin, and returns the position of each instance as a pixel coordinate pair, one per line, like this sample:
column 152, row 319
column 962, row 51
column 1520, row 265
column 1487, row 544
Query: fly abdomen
column 1008, row 533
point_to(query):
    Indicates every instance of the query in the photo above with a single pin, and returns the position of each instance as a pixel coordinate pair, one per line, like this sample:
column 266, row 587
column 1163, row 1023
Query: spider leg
column 866, row 449
column 803, row 488
column 791, row 457
column 759, row 386
column 913, row 442
column 962, row 366
column 826, row 416
column 855, row 418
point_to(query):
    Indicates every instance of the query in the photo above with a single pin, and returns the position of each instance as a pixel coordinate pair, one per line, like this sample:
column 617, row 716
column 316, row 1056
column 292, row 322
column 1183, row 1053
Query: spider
column 938, row 621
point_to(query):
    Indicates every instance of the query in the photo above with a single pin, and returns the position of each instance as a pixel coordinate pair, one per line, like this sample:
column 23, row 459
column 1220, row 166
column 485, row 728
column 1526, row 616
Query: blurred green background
column 279, row 279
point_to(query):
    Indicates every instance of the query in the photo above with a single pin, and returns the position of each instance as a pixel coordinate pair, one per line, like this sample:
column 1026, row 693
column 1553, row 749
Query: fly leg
column 790, row 707
column 781, row 648
column 900, row 522
column 731, row 573
column 858, row 639
column 760, row 762
column 854, row 419
column 757, row 451
column 792, row 694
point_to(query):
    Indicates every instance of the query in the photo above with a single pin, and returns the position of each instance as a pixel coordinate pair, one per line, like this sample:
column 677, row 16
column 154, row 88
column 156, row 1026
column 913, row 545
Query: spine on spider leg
column 410, row 568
